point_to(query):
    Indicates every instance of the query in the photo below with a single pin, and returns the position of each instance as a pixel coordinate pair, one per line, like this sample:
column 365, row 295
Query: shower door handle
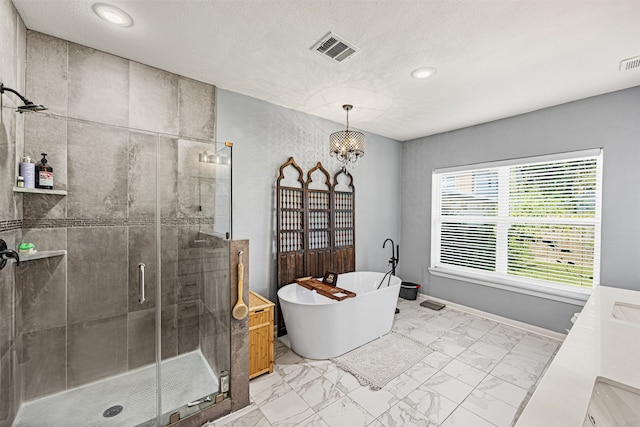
column 141, row 267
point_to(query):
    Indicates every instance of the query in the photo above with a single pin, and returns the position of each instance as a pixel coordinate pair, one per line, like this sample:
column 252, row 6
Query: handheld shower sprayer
column 28, row 105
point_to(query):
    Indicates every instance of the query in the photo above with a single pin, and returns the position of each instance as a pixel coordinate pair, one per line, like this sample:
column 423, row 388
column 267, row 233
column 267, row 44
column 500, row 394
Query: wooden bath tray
column 324, row 289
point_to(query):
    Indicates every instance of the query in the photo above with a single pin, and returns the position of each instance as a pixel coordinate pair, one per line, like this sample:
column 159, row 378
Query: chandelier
column 347, row 146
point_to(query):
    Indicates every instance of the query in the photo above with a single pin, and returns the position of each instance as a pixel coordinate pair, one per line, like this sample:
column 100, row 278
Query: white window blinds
column 535, row 219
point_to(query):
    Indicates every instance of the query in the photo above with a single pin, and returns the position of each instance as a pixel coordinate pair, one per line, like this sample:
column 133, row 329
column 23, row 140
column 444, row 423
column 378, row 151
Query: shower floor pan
column 185, row 378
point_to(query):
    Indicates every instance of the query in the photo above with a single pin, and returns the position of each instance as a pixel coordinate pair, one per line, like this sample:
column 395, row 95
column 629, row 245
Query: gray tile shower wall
column 9, row 375
column 96, row 349
column 196, row 108
column 169, row 237
column 142, row 174
column 168, row 180
column 239, row 331
column 169, row 331
column 10, row 203
column 141, row 337
column 98, row 86
column 43, row 362
column 97, row 274
column 196, row 181
column 188, row 287
column 77, row 318
column 41, row 300
column 13, row 54
column 188, row 326
column 9, row 41
column 44, row 134
column 47, row 65
column 153, row 102
column 9, row 381
column 97, row 170
column 7, row 297
column 44, row 206
column 216, row 316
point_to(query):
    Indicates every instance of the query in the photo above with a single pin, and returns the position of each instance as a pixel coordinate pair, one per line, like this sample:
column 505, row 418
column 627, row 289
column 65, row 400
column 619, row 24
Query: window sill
column 567, row 295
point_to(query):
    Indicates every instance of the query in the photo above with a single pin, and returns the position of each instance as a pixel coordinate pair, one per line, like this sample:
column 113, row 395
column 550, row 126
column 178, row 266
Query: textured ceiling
column 495, row 59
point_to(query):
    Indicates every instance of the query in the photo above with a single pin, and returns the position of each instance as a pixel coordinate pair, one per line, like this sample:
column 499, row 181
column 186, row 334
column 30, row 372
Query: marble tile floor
column 184, row 378
column 477, row 375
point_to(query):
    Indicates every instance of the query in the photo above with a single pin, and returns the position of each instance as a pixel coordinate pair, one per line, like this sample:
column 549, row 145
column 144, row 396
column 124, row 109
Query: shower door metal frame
column 158, row 290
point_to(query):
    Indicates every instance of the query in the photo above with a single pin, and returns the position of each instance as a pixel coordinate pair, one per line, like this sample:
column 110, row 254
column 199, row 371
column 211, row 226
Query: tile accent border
column 11, row 224
column 95, row 222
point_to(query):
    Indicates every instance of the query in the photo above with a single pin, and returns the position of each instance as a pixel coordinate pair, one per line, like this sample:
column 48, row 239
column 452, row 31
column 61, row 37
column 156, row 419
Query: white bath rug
column 380, row 361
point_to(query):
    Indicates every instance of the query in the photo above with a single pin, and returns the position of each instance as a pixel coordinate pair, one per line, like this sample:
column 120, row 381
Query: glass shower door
column 145, row 256
column 131, row 205
column 145, row 333
column 194, row 253
column 86, row 317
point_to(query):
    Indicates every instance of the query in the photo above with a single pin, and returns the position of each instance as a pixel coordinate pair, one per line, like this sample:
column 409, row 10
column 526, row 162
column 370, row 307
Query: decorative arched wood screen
column 315, row 225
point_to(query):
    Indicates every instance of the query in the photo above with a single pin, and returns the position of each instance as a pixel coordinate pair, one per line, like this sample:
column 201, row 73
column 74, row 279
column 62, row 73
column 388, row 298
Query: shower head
column 28, row 105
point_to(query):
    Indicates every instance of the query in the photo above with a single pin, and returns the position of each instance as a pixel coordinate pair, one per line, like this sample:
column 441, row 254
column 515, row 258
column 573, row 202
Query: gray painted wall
column 611, row 121
column 264, row 137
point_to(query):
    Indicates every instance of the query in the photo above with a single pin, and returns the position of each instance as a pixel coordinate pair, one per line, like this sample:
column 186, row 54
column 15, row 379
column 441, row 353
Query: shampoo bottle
column 44, row 174
column 28, row 172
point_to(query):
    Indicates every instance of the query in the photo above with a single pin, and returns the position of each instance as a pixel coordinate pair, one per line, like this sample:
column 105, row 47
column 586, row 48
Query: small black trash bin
column 409, row 290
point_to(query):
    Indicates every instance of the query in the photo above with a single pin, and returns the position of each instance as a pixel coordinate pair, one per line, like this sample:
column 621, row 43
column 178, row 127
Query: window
column 531, row 223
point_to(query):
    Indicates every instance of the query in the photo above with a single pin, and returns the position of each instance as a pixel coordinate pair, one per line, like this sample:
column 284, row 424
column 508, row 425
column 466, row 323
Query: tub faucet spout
column 395, row 255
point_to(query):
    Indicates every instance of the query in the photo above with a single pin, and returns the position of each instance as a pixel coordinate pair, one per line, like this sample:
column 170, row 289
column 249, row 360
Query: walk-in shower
column 140, row 366
column 123, row 315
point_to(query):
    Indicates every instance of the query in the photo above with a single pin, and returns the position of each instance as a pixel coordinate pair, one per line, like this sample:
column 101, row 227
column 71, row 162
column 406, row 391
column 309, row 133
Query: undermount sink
column 613, row 405
column 626, row 311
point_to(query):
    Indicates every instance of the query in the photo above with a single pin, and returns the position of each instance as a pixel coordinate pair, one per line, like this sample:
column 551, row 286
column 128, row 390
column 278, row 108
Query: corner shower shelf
column 41, row 255
column 39, row 191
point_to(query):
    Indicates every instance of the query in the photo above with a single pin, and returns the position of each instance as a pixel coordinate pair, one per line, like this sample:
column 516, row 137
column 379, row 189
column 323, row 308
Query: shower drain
column 113, row 411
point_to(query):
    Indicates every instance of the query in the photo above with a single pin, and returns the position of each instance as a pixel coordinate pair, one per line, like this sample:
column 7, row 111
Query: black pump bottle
column 44, row 174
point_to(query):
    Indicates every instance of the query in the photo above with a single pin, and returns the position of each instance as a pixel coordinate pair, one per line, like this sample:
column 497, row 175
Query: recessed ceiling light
column 423, row 73
column 112, row 14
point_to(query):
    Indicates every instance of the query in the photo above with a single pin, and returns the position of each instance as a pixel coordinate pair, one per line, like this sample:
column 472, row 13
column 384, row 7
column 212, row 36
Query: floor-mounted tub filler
column 323, row 328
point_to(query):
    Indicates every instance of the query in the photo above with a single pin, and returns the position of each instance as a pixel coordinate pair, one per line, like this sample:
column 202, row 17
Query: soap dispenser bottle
column 44, row 174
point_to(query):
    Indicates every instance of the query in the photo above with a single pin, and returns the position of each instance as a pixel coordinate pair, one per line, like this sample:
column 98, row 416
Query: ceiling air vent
column 335, row 48
column 630, row 64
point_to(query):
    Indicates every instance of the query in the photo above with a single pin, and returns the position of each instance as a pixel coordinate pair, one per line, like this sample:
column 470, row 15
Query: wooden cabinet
column 260, row 335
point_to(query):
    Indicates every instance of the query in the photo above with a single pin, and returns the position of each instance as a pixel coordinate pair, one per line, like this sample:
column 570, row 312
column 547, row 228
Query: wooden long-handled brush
column 240, row 310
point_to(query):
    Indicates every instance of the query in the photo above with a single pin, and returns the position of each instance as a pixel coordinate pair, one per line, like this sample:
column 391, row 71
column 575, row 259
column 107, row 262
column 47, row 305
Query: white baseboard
column 516, row 324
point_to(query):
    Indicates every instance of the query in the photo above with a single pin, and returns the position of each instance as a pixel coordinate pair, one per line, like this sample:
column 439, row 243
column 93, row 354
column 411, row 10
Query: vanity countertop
column 598, row 345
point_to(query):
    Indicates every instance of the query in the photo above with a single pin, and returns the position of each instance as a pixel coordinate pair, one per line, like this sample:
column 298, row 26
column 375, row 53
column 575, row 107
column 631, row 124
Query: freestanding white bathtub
column 322, row 328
